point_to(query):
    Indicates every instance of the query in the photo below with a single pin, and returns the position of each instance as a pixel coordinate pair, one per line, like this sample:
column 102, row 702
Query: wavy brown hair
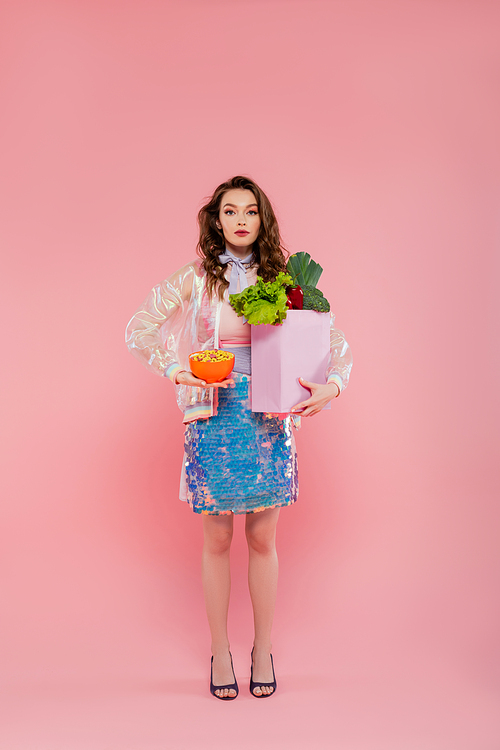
column 270, row 254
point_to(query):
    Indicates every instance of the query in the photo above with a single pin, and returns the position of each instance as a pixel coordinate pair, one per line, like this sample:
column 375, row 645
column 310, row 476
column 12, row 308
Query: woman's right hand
column 185, row 377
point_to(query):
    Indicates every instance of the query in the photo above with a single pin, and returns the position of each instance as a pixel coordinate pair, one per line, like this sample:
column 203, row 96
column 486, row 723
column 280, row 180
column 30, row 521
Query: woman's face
column 239, row 220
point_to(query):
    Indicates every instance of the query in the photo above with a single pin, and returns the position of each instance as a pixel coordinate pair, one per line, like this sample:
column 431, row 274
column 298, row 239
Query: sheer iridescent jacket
column 178, row 318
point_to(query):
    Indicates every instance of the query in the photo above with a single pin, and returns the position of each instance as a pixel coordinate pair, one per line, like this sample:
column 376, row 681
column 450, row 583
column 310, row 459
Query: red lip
column 242, row 231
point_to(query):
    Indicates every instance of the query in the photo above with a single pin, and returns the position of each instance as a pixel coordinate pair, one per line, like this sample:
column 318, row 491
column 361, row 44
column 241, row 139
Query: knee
column 261, row 541
column 219, row 542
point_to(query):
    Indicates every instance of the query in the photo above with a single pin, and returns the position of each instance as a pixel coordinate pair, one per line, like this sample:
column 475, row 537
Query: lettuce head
column 265, row 302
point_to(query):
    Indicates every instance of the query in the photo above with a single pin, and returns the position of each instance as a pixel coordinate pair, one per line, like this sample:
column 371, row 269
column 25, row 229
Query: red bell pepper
column 295, row 297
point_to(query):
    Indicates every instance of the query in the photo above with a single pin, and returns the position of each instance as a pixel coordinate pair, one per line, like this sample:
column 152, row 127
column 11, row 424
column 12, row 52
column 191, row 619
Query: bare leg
column 260, row 529
column 216, row 578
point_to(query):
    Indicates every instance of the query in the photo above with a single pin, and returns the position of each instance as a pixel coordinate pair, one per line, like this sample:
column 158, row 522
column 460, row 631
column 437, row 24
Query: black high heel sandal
column 262, row 684
column 233, row 686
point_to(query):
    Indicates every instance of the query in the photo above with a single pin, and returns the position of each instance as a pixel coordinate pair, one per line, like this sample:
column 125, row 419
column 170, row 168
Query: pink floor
column 374, row 707
column 359, row 666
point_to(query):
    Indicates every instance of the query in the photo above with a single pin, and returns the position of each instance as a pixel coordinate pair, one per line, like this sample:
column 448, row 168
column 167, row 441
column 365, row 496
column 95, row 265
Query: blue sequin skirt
column 239, row 461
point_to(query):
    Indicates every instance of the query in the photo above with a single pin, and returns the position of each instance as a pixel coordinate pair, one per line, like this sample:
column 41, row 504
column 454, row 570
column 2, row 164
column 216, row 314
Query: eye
column 229, row 211
column 253, row 211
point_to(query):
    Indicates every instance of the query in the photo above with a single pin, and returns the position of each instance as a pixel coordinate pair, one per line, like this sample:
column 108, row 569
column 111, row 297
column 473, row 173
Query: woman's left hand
column 321, row 395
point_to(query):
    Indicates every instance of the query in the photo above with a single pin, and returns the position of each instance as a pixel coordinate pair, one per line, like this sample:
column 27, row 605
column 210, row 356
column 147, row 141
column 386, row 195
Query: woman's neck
column 239, row 252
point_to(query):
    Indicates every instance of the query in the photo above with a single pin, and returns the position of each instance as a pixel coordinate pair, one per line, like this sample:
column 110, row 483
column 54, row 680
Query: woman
column 235, row 461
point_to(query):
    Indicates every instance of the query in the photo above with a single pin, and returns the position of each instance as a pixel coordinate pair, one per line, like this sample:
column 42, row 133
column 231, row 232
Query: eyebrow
column 235, row 206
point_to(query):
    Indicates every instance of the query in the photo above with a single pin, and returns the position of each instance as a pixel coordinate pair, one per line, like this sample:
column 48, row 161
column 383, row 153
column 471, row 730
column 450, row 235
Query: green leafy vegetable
column 306, row 272
column 264, row 303
column 303, row 269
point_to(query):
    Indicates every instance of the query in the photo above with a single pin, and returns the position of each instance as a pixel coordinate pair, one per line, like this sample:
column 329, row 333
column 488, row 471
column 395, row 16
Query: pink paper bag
column 300, row 347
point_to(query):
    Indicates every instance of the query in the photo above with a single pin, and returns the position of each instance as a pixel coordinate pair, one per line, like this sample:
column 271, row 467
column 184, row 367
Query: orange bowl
column 214, row 371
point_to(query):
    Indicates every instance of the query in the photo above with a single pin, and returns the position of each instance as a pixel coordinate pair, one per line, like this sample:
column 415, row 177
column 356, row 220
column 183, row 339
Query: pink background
column 374, row 127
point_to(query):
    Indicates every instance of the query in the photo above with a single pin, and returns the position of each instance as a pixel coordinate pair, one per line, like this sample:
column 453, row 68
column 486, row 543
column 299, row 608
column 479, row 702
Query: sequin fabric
column 239, row 461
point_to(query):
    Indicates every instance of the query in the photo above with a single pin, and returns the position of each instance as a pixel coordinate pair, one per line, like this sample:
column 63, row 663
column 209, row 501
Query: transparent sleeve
column 147, row 337
column 339, row 367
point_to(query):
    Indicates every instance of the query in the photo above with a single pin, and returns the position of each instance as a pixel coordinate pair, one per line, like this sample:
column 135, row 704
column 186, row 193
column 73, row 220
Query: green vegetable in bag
column 303, row 269
column 306, row 272
column 314, row 300
column 265, row 302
